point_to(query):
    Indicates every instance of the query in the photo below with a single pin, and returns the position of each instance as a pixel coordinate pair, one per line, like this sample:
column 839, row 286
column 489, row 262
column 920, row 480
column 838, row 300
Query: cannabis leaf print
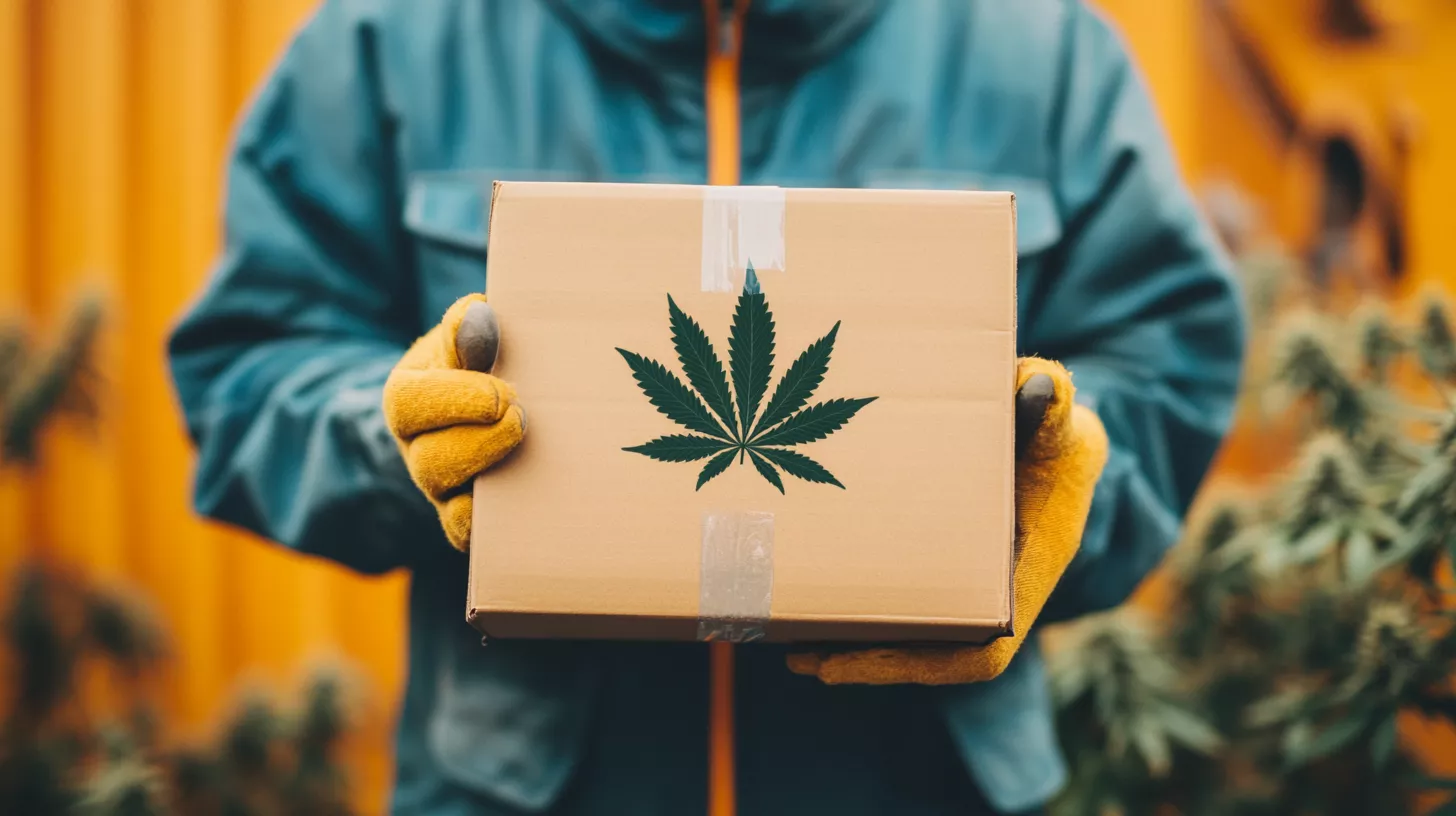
column 727, row 423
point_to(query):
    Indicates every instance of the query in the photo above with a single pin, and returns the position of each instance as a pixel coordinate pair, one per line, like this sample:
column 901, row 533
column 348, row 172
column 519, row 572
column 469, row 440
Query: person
column 317, row 359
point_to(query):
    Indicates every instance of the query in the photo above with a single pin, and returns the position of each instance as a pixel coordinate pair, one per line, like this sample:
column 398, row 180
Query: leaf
column 700, row 362
column 1328, row 741
column 751, row 349
column 1315, row 543
column 1382, row 743
column 765, row 469
column 1296, row 740
column 797, row 464
column 1379, row 523
column 673, row 399
column 1435, row 783
column 1188, row 729
column 708, row 406
column 1152, row 746
column 815, row 422
column 1432, row 476
column 798, row 383
column 680, row 448
column 716, row 465
column 1361, row 558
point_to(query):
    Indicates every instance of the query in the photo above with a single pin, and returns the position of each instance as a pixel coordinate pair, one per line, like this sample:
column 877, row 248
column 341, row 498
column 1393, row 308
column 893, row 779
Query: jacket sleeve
column 1140, row 304
column 280, row 364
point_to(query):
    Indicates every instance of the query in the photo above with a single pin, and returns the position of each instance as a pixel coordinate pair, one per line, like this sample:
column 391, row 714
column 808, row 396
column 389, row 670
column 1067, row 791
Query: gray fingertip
column 1032, row 401
column 477, row 342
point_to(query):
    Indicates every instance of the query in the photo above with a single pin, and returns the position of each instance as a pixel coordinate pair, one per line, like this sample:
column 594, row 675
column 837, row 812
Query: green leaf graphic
column 673, row 399
column 813, row 423
column 700, row 363
column 766, row 470
column 797, row 385
column 784, row 422
column 799, row 465
column 751, row 349
column 681, row 448
column 716, row 465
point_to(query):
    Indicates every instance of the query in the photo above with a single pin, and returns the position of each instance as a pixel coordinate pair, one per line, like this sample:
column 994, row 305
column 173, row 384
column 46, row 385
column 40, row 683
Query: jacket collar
column 670, row 36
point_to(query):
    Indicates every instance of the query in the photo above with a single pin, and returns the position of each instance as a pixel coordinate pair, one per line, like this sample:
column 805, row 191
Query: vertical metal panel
column 79, row 151
column 15, row 100
column 178, row 69
column 115, row 120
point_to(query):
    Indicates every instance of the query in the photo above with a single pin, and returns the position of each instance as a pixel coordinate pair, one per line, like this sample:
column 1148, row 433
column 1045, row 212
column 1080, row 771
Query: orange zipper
column 724, row 167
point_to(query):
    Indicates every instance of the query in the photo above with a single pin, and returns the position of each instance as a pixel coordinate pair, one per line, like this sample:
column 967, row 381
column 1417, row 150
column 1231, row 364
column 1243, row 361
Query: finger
column 1051, row 436
column 445, row 460
column 449, row 328
column 922, row 666
column 436, row 348
column 456, row 515
column 1032, row 401
column 804, row 663
column 477, row 341
column 418, row 401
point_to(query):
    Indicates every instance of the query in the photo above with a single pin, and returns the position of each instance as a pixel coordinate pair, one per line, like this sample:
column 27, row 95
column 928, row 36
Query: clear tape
column 735, row 592
column 741, row 225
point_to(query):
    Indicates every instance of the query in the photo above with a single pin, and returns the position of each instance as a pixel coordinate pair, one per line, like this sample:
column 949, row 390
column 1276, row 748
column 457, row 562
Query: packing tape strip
column 735, row 592
column 741, row 225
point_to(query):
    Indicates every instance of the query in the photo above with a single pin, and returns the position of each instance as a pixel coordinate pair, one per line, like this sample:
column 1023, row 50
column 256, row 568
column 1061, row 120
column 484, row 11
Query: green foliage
column 761, row 438
column 38, row 386
column 1304, row 624
column 57, row 756
column 674, row 400
column 67, row 749
column 700, row 362
column 751, row 349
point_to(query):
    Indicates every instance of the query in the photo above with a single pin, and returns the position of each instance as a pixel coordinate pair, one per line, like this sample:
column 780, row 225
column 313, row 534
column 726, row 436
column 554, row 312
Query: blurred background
column 1318, row 132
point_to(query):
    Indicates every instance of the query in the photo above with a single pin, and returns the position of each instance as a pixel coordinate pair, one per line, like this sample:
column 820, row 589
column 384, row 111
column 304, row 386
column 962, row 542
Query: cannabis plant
column 38, row 386
column 80, row 728
column 729, row 425
column 62, row 751
column 1308, row 617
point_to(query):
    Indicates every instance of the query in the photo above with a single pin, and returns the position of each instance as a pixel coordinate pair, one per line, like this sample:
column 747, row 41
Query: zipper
column 722, row 110
column 721, row 96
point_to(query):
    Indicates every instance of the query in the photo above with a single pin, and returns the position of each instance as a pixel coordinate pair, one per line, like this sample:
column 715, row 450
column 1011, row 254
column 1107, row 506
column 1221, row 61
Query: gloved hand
column 1061, row 449
column 452, row 420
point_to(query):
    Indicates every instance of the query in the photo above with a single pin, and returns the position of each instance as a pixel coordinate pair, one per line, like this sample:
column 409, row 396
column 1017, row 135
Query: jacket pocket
column 447, row 216
column 510, row 718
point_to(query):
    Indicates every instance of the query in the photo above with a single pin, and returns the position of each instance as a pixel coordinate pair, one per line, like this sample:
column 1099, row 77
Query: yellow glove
column 1062, row 448
column 451, row 423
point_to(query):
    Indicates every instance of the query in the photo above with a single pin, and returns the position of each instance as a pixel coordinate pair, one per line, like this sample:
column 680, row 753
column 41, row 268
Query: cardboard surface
column 576, row 537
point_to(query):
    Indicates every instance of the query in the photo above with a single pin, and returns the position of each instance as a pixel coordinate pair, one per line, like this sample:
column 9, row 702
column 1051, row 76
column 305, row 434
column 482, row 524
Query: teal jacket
column 355, row 213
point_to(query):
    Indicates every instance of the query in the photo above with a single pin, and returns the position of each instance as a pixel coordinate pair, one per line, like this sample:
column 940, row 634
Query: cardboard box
column 907, row 533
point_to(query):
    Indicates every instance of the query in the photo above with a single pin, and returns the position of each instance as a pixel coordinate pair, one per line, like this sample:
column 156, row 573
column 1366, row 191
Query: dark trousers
column 803, row 748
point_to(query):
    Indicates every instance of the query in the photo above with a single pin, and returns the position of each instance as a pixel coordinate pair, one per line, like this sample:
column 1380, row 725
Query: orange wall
column 114, row 118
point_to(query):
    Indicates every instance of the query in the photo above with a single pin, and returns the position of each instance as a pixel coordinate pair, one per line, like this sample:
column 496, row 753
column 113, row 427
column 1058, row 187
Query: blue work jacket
column 357, row 198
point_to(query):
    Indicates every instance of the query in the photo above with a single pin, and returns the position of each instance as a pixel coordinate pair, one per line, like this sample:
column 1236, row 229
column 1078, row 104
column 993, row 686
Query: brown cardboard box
column 575, row 536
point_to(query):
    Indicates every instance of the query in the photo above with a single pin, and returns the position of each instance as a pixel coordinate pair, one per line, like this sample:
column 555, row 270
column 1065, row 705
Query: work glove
column 1061, row 448
column 451, row 418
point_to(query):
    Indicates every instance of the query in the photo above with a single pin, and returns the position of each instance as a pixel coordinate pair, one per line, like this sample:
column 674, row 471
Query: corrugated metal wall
column 114, row 119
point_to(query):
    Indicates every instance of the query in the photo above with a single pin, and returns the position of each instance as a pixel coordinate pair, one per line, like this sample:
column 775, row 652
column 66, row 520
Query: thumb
column 477, row 338
column 467, row 336
column 1044, row 395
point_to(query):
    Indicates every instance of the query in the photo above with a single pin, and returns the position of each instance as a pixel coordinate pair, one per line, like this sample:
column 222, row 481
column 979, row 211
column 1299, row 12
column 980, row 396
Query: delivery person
column 331, row 413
